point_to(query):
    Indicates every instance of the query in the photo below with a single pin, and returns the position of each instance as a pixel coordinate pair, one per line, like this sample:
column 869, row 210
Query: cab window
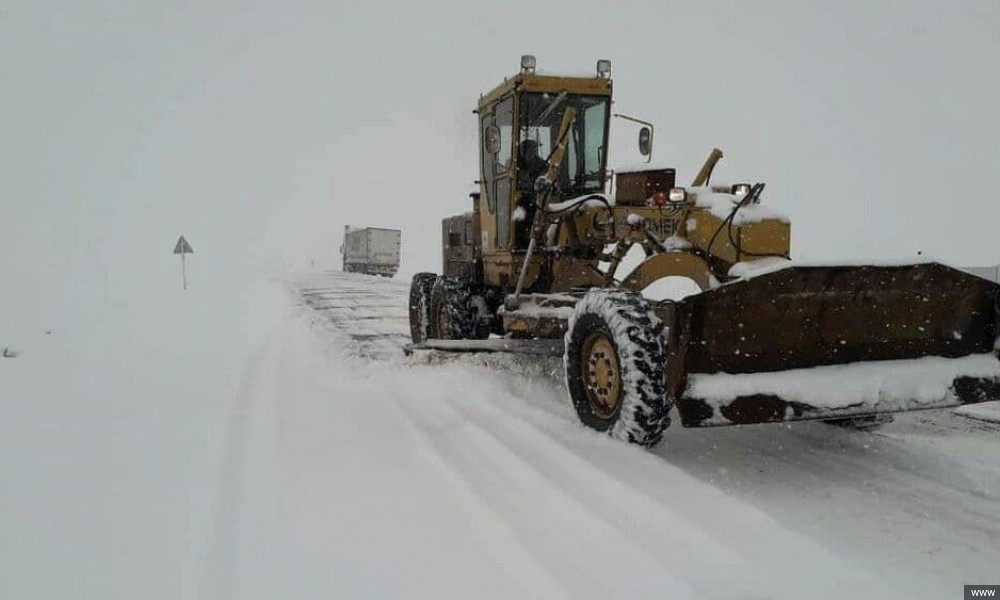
column 502, row 186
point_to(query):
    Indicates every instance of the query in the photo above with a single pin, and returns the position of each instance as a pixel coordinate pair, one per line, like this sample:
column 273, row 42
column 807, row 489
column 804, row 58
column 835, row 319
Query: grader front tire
column 615, row 364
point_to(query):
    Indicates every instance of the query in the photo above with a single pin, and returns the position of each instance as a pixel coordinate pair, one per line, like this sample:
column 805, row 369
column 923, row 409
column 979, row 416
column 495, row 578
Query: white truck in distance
column 371, row 250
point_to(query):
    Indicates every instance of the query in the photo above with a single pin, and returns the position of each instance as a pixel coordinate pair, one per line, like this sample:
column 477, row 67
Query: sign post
column 182, row 248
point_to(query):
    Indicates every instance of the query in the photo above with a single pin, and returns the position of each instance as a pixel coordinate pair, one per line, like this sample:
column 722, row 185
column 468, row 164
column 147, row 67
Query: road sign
column 182, row 248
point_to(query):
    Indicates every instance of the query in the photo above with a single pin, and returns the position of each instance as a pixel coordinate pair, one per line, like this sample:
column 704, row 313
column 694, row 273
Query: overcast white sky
column 259, row 129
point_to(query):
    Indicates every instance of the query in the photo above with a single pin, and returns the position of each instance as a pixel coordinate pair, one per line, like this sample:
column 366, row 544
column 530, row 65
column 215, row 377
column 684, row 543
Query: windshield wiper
column 551, row 107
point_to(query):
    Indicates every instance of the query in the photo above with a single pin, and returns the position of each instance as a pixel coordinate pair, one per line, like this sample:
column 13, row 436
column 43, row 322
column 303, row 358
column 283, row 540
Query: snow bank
column 924, row 381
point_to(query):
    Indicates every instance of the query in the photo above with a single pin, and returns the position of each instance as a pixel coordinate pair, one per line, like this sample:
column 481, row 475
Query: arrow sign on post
column 182, row 248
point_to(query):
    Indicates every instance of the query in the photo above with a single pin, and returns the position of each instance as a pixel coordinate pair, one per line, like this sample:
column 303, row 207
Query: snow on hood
column 675, row 243
column 593, row 202
column 721, row 205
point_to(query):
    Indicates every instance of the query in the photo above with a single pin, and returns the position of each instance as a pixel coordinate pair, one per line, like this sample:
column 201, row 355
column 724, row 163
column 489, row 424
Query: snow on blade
column 765, row 266
column 760, row 266
column 924, row 381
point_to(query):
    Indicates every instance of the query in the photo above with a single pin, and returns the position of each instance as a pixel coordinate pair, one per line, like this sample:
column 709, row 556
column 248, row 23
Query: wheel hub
column 601, row 374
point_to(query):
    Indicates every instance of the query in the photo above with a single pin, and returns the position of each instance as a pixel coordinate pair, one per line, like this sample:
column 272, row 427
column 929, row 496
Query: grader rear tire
column 452, row 315
column 615, row 363
column 420, row 303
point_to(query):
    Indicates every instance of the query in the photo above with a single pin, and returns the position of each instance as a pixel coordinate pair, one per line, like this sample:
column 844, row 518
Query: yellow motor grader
column 532, row 269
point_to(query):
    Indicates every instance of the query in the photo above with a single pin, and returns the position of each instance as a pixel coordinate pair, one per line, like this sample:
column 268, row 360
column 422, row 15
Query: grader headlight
column 677, row 195
column 740, row 190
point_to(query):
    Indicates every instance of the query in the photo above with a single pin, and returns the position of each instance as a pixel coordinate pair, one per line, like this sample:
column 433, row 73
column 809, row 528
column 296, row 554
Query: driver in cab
column 530, row 166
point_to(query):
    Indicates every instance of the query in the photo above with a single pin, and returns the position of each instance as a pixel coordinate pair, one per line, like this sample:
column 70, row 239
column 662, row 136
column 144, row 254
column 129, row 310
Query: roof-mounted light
column 528, row 64
column 604, row 68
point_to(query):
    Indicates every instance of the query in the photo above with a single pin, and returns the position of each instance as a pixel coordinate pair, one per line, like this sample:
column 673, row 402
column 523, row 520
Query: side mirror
column 491, row 141
column 645, row 141
column 645, row 135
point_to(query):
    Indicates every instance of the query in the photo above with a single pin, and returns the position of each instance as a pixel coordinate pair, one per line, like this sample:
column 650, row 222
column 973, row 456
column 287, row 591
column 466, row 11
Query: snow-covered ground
column 273, row 441
column 114, row 433
column 987, row 411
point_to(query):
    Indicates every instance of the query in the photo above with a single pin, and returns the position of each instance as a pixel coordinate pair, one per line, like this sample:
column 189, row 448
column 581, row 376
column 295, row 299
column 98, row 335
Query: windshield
column 582, row 169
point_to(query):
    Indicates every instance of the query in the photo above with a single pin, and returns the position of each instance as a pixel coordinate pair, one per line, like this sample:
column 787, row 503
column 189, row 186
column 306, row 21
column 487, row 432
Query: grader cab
column 533, row 268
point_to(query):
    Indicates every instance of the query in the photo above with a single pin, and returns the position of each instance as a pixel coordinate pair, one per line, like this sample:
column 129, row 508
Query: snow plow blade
column 818, row 342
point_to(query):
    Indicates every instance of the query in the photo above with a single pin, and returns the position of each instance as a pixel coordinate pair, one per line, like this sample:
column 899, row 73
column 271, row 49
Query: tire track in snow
column 430, row 447
column 686, row 539
column 237, row 562
column 891, row 483
column 363, row 489
column 541, row 514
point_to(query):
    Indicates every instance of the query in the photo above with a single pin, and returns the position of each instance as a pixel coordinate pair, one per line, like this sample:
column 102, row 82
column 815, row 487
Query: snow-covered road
column 465, row 475
column 288, row 449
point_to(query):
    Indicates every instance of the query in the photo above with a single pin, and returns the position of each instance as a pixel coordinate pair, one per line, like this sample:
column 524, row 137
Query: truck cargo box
column 371, row 250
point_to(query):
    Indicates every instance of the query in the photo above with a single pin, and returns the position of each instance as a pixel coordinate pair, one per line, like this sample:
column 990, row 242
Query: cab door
column 497, row 131
column 505, row 171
